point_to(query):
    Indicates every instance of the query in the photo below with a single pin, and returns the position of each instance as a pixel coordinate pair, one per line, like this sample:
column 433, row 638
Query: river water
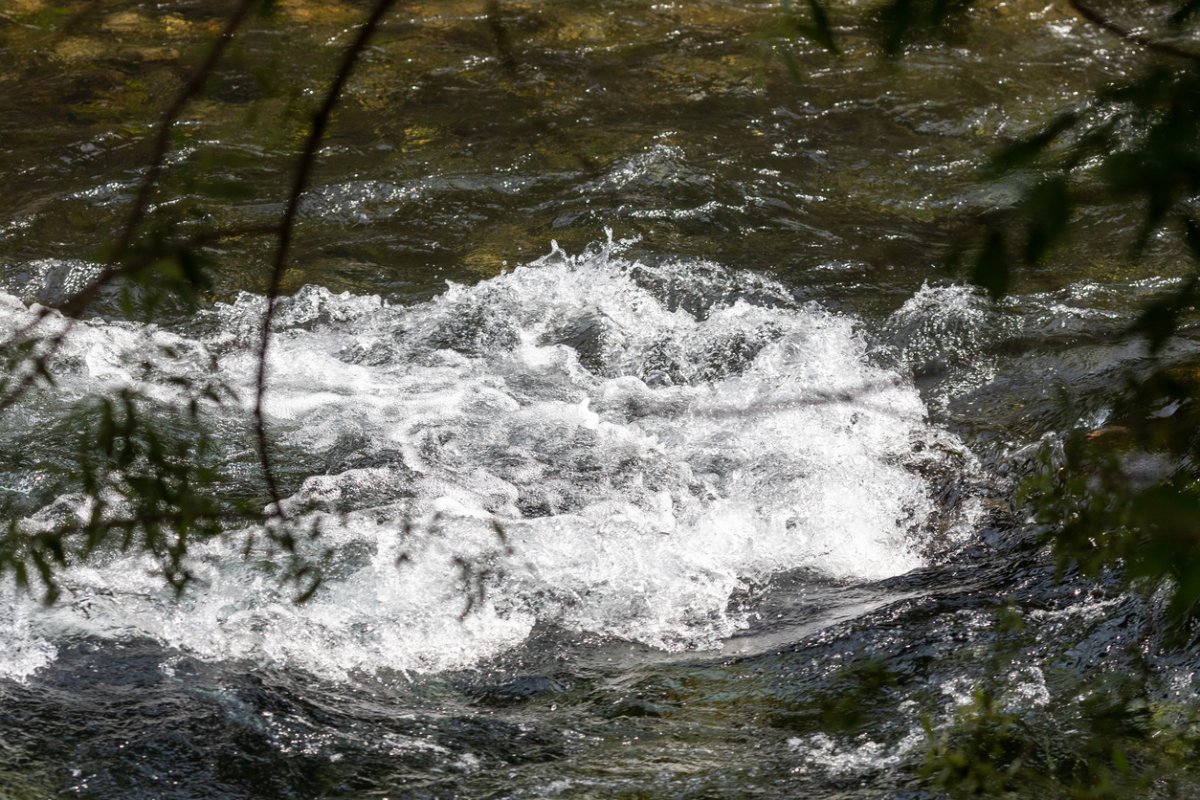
column 669, row 318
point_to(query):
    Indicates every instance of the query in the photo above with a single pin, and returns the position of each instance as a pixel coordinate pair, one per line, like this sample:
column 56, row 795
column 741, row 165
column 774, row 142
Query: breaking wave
column 649, row 441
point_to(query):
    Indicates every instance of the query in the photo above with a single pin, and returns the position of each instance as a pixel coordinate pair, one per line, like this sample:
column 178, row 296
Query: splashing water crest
column 650, row 439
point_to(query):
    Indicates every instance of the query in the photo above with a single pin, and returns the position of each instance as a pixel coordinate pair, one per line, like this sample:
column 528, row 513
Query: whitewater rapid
column 651, row 440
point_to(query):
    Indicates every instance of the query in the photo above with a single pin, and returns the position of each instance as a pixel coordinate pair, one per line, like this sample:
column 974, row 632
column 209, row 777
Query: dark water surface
column 753, row 450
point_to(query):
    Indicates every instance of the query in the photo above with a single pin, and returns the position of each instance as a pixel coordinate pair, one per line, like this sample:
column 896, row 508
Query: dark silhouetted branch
column 304, row 167
column 162, row 139
column 1162, row 48
column 113, row 269
column 504, row 46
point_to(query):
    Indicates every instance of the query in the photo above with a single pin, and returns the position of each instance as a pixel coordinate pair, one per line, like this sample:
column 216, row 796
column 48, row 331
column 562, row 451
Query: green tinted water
column 677, row 125
column 672, row 122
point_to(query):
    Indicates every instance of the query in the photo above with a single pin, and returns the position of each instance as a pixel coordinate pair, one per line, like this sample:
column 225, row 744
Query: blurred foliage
column 855, row 687
column 148, row 478
column 1102, row 745
column 1122, row 496
column 1126, row 493
column 847, row 703
column 1137, row 141
column 1097, row 738
column 1132, row 498
column 144, row 483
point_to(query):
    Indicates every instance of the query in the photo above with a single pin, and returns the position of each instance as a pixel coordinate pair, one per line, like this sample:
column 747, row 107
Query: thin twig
column 137, row 211
column 162, row 139
column 304, row 167
column 857, row 397
column 504, row 48
column 507, row 56
column 1163, row 48
column 70, row 311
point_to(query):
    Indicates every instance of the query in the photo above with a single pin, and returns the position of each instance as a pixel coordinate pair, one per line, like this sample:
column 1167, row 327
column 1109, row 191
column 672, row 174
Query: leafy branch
column 114, row 269
column 141, row 487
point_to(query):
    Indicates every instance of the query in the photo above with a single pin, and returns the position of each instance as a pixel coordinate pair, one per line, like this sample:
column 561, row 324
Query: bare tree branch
column 304, row 167
column 162, row 139
column 137, row 211
column 1100, row 21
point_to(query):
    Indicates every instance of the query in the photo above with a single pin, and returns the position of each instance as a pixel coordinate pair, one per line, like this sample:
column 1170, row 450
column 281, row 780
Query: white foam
column 649, row 440
column 853, row 758
column 945, row 332
column 23, row 650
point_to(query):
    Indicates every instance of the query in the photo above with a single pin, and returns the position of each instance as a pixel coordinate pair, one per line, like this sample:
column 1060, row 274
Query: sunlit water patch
column 943, row 334
column 617, row 448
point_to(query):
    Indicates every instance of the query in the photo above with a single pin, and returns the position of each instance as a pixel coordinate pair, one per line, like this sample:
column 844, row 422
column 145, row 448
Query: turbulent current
column 619, row 449
column 741, row 501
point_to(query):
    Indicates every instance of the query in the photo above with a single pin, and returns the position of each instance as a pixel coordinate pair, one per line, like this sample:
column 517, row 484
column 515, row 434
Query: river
column 655, row 454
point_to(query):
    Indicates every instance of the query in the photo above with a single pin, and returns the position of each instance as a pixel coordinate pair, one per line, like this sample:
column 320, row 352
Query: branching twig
column 137, row 211
column 77, row 303
column 304, row 166
column 1100, row 21
column 162, row 139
